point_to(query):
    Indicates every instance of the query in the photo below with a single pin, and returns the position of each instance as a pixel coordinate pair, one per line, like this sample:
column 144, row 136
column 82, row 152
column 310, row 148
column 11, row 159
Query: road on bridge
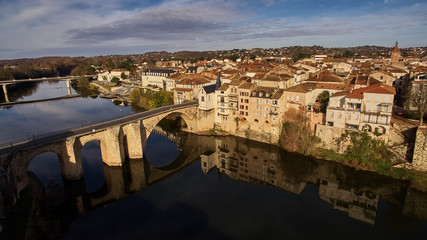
column 49, row 138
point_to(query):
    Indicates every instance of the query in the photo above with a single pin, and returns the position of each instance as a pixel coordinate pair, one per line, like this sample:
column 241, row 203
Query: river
column 200, row 187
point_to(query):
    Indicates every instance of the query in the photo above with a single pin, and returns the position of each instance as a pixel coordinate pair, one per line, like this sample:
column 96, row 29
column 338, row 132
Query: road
column 53, row 137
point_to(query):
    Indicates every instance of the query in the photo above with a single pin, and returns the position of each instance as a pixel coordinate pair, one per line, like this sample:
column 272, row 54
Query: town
column 255, row 93
column 251, row 97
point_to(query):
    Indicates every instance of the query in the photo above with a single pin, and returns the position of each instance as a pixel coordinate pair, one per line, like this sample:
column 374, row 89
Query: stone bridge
column 119, row 139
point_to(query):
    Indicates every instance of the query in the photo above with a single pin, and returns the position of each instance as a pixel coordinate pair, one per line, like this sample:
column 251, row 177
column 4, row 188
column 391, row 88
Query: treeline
column 37, row 68
column 62, row 66
column 149, row 99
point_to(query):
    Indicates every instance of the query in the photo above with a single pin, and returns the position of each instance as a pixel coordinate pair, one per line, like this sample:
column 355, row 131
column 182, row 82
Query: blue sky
column 35, row 28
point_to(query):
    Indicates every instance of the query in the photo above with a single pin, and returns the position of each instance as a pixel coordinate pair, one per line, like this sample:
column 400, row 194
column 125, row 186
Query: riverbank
column 416, row 179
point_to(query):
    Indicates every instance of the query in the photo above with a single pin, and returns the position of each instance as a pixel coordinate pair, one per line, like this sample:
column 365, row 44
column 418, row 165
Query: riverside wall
column 419, row 159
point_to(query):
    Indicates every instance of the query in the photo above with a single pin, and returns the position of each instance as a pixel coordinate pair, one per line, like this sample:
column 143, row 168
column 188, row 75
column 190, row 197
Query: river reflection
column 232, row 188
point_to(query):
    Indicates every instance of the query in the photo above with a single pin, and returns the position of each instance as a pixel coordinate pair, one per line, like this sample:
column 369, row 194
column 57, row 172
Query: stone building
column 155, row 78
column 366, row 109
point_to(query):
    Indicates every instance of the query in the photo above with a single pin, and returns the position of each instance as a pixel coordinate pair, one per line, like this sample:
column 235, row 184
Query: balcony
column 223, row 104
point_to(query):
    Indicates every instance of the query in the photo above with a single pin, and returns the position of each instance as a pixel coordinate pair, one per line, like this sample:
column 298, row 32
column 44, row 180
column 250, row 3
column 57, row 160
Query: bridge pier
column 71, row 167
column 133, row 140
column 6, row 97
column 112, row 153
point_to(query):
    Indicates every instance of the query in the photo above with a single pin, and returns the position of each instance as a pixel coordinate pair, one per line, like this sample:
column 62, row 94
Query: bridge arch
column 188, row 115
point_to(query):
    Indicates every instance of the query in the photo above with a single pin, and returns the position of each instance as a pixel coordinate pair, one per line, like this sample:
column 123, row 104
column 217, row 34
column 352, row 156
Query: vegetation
column 419, row 100
column 298, row 56
column 115, row 80
column 149, row 99
column 372, row 155
column 323, row 99
column 296, row 136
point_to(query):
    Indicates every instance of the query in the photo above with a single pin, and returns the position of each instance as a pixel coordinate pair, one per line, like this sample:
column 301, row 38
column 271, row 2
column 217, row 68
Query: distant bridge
column 15, row 81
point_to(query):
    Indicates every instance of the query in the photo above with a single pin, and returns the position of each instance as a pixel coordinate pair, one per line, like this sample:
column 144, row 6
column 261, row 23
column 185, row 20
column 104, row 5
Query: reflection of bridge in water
column 356, row 193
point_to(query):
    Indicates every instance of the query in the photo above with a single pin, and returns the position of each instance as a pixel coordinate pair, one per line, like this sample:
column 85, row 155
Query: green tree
column 123, row 76
column 323, row 99
column 348, row 54
column 115, row 80
column 83, row 82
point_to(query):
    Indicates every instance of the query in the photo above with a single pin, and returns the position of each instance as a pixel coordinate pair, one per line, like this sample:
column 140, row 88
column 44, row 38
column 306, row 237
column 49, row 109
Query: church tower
column 395, row 54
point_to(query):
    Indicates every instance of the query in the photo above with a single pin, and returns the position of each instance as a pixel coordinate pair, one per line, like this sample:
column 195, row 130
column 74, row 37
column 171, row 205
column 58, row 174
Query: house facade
column 366, row 109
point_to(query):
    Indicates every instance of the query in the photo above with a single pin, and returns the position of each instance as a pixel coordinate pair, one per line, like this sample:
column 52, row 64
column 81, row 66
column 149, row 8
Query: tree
column 115, row 80
column 83, row 82
column 123, row 76
column 323, row 99
column 419, row 99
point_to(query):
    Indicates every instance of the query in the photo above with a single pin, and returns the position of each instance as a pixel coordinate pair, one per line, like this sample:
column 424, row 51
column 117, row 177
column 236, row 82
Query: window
column 266, row 101
column 297, row 98
column 266, row 109
column 339, row 115
column 203, row 98
column 348, row 116
column 356, row 117
column 246, row 100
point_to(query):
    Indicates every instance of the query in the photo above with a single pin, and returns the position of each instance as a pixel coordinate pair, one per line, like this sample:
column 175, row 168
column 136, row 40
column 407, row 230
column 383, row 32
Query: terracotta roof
column 263, row 92
column 376, row 88
column 361, row 79
column 333, row 86
column 302, row 88
column 224, row 87
column 343, row 93
column 277, row 94
column 193, row 81
column 326, row 76
column 246, row 85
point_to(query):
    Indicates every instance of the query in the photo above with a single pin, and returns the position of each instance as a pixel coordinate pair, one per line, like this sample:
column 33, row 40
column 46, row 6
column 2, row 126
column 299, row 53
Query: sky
column 37, row 28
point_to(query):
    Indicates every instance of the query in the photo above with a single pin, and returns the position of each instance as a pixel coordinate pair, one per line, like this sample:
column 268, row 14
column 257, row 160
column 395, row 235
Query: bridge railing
column 81, row 129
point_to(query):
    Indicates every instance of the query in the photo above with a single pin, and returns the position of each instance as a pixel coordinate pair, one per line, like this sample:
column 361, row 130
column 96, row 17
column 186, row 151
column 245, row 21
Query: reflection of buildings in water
column 359, row 204
column 252, row 163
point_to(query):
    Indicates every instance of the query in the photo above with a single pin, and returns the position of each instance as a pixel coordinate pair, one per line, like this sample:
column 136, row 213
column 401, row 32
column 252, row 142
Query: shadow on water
column 93, row 167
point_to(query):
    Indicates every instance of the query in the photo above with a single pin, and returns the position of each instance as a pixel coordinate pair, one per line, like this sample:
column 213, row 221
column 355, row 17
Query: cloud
column 182, row 22
column 101, row 27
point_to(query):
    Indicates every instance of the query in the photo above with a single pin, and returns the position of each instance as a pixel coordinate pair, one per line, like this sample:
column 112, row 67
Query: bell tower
column 395, row 53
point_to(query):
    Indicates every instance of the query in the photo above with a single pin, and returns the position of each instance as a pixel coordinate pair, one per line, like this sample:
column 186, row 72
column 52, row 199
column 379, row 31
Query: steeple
column 395, row 53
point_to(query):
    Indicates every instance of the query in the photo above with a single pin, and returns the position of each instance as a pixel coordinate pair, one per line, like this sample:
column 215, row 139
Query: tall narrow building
column 395, row 54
